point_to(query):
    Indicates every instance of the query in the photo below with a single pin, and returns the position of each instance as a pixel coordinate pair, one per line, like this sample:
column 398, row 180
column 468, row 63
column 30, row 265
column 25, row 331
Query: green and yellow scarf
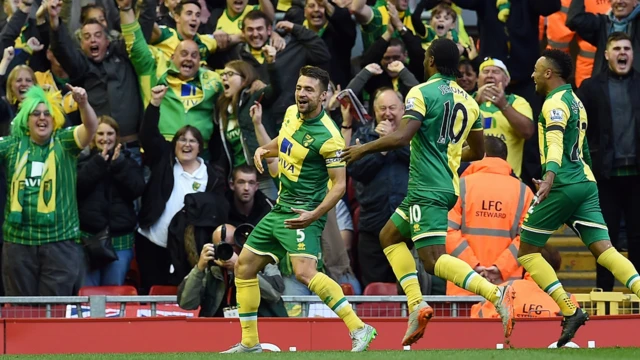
column 20, row 128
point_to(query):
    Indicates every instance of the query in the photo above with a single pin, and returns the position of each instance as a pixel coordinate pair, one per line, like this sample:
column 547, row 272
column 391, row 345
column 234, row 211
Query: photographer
column 210, row 284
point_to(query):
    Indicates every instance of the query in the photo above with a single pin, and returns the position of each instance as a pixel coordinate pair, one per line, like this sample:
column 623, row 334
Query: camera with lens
column 223, row 249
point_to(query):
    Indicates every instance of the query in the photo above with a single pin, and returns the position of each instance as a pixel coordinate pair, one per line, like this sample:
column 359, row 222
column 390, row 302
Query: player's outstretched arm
column 475, row 151
column 397, row 139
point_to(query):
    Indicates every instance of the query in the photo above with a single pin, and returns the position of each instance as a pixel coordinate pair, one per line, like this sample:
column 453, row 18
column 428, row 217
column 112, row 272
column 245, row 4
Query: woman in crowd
column 109, row 181
column 176, row 170
column 236, row 127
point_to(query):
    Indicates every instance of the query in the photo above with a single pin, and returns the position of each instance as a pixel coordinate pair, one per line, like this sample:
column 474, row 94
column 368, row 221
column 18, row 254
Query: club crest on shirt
column 195, row 186
column 556, row 115
column 307, row 140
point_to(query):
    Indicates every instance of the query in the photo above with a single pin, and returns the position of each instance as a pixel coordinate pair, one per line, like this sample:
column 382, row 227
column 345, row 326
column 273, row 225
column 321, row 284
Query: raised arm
column 71, row 58
column 87, row 130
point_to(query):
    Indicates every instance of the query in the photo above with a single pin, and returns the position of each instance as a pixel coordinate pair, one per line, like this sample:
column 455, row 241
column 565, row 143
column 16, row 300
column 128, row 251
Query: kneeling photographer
column 210, row 284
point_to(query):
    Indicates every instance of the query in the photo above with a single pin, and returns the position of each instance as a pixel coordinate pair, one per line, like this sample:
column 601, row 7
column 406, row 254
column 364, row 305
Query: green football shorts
column 575, row 205
column 271, row 238
column 423, row 217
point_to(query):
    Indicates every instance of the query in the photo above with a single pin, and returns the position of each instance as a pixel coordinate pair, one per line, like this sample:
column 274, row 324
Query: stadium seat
column 163, row 290
column 380, row 309
column 380, row 288
column 347, row 289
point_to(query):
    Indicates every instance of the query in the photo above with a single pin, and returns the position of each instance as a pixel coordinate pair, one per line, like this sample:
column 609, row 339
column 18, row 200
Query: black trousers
column 153, row 262
column 374, row 266
column 620, row 196
column 43, row 270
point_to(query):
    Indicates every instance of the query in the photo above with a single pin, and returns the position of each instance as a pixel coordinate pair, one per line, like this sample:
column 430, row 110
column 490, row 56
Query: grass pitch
column 514, row 354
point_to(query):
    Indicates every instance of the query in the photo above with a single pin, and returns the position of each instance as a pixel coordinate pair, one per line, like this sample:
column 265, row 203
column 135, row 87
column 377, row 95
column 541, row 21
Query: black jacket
column 112, row 85
column 261, row 207
column 380, row 181
column 123, row 178
column 160, row 157
column 376, row 51
column 340, row 37
column 520, row 30
column 594, row 94
column 203, row 212
column 595, row 29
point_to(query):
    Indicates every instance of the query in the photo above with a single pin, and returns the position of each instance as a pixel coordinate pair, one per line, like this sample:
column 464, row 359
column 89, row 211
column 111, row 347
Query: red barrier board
column 177, row 334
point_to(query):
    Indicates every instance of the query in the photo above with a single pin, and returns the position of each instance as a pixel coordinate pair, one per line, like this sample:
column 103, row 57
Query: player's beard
column 311, row 106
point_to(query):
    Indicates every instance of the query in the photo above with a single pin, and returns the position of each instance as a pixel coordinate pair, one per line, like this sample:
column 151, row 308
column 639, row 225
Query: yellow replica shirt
column 233, row 25
column 307, row 148
column 496, row 124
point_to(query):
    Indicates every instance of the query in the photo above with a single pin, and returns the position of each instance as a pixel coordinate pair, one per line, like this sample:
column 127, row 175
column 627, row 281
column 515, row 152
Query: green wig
column 35, row 96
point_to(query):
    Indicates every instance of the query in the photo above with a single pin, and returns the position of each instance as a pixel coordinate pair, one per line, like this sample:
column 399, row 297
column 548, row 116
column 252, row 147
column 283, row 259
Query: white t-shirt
column 183, row 184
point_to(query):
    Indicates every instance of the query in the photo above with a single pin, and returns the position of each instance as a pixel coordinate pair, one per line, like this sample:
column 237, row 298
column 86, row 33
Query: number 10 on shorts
column 415, row 214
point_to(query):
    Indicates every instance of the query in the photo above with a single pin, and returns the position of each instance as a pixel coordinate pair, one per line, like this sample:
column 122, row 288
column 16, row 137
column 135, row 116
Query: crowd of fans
column 170, row 164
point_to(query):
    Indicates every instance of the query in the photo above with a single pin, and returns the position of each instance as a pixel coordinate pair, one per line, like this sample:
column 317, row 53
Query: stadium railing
column 599, row 302
column 99, row 306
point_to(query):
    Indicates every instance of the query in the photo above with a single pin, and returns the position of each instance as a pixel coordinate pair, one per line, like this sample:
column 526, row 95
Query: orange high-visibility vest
column 484, row 224
column 559, row 36
column 530, row 301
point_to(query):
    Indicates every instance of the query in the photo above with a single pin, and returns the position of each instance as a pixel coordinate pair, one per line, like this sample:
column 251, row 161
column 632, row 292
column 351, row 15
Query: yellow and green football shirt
column 170, row 39
column 496, row 124
column 65, row 224
column 377, row 26
column 448, row 114
column 562, row 128
column 233, row 25
column 307, row 148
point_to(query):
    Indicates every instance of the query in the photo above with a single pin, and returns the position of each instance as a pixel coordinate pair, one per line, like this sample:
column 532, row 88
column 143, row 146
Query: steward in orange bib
column 484, row 225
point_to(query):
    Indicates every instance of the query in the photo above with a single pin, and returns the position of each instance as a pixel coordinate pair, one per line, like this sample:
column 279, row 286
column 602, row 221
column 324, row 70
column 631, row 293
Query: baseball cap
column 495, row 62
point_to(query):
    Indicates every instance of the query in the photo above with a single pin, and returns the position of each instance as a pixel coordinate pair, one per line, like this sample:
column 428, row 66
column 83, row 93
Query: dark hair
column 84, row 11
column 316, row 73
column 182, row 3
column 446, row 56
column 561, row 61
column 495, row 147
column 469, row 63
column 245, row 169
column 194, row 131
column 617, row 36
column 256, row 15
column 397, row 42
column 93, row 22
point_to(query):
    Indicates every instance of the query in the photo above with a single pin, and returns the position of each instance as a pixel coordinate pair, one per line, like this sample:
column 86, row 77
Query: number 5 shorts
column 424, row 218
column 271, row 238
